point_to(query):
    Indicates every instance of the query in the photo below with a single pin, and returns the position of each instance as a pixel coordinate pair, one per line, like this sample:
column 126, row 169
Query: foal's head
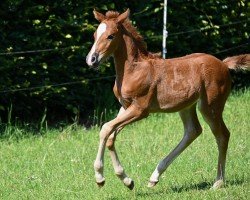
column 107, row 36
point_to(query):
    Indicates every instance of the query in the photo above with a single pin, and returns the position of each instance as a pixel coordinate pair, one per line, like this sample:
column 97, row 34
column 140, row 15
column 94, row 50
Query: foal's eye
column 110, row 37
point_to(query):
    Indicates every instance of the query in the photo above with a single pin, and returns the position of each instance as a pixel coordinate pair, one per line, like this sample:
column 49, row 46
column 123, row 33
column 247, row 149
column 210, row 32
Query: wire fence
column 56, row 85
column 33, row 51
column 170, row 34
column 231, row 48
column 94, row 79
column 208, row 28
column 109, row 77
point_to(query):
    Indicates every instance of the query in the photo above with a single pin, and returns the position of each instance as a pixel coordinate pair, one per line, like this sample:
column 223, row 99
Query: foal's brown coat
column 146, row 83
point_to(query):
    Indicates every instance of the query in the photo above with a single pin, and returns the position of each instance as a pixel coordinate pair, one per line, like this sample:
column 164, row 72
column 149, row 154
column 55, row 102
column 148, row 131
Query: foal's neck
column 126, row 55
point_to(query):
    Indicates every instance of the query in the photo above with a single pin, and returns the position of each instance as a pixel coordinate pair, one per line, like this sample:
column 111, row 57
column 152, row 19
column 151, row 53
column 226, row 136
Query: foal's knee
column 105, row 131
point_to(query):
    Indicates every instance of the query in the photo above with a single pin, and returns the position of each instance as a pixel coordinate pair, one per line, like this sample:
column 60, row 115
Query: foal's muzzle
column 93, row 60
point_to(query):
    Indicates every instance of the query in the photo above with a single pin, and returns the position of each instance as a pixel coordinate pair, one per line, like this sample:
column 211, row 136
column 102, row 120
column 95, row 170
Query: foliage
column 59, row 164
column 64, row 29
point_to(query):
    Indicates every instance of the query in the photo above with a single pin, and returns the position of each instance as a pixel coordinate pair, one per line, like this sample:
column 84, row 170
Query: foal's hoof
column 100, row 184
column 131, row 185
column 152, row 184
column 218, row 184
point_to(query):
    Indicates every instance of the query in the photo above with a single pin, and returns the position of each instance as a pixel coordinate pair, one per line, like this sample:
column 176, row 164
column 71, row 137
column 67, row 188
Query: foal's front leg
column 130, row 115
column 119, row 171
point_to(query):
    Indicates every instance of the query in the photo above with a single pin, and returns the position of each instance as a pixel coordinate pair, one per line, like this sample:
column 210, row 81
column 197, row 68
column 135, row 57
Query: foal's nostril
column 93, row 59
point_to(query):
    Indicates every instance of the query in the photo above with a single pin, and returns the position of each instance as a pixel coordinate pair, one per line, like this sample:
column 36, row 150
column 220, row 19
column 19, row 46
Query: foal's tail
column 241, row 62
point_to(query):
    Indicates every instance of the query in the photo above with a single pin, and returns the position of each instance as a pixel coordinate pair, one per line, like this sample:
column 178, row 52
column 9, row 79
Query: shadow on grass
column 205, row 185
column 198, row 186
column 235, row 182
column 176, row 189
column 179, row 189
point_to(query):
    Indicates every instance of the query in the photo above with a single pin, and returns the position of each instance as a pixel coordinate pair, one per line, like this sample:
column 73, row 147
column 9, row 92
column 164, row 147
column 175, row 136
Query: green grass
column 59, row 164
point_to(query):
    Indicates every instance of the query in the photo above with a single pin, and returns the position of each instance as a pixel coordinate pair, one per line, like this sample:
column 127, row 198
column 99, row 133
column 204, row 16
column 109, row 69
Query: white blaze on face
column 100, row 30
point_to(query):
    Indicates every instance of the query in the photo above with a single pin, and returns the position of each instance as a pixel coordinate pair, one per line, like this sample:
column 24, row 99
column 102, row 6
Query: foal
column 146, row 83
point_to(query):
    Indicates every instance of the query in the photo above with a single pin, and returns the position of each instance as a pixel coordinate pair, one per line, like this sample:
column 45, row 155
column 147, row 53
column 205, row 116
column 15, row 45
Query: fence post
column 165, row 32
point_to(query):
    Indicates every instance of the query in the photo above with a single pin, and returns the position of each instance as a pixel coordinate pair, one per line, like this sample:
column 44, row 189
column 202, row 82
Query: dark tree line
column 33, row 81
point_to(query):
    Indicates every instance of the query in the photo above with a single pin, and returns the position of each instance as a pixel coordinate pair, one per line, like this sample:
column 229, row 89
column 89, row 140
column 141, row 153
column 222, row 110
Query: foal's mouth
column 95, row 66
column 93, row 60
column 96, row 59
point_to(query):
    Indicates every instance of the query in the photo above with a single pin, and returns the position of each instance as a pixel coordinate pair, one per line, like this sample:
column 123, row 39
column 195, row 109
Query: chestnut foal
column 145, row 83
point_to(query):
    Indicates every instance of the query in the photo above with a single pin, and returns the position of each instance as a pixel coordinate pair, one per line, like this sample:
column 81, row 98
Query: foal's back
column 182, row 81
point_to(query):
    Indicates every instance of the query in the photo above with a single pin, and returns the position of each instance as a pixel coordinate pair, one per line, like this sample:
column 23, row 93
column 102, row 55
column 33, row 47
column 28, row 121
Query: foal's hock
column 145, row 83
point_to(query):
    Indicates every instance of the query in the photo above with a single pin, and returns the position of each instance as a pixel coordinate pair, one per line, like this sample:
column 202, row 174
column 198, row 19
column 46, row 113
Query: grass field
column 59, row 164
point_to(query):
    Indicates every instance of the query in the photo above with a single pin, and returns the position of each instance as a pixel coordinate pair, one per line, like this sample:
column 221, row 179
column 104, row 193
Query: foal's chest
column 135, row 83
column 131, row 90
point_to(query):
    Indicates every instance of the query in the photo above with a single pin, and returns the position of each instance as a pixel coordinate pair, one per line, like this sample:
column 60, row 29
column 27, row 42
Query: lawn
column 59, row 164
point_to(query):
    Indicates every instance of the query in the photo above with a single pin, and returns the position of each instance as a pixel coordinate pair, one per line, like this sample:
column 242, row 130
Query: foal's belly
column 176, row 96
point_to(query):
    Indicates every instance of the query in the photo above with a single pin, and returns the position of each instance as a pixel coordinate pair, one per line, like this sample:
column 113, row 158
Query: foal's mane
column 138, row 39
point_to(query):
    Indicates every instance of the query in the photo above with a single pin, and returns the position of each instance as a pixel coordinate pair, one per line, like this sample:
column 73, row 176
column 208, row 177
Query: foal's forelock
column 92, row 57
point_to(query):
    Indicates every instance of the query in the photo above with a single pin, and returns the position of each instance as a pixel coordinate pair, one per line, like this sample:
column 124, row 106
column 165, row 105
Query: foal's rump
column 217, row 79
column 215, row 72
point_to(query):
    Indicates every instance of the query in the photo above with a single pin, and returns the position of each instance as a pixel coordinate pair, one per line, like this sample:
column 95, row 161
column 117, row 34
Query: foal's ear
column 122, row 17
column 99, row 16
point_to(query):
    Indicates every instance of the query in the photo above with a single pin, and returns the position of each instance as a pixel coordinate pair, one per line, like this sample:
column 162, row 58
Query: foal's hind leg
column 192, row 130
column 212, row 114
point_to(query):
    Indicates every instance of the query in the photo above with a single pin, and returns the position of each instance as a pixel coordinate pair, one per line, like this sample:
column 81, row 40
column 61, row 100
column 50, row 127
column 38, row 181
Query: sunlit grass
column 59, row 164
